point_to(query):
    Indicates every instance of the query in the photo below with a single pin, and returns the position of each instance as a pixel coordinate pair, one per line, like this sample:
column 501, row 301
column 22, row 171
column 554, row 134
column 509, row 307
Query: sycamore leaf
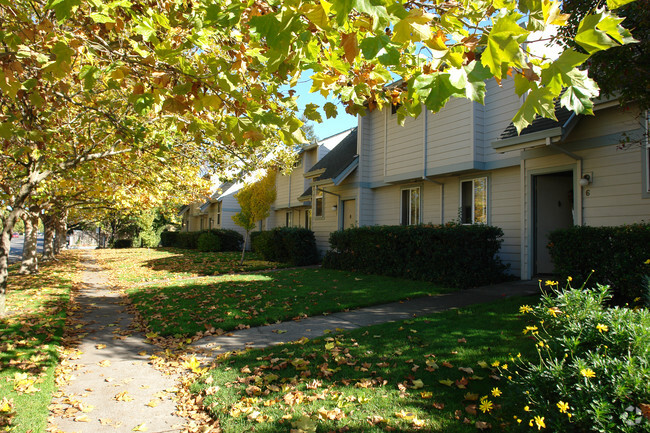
column 447, row 382
column 350, row 46
column 413, row 28
column 539, row 101
column 503, row 46
column 578, row 96
column 316, row 14
column 555, row 75
column 436, row 89
column 615, row 4
column 601, row 31
column 330, row 110
column 311, row 113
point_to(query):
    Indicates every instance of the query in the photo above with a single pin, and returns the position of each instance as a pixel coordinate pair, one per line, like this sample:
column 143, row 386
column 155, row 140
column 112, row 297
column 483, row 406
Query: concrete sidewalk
column 313, row 327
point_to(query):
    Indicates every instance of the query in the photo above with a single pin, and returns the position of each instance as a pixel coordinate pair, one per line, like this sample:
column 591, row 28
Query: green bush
column 617, row 255
column 209, row 242
column 123, row 243
column 168, row 239
column 187, row 240
column 293, row 245
column 593, row 369
column 230, row 239
column 454, row 255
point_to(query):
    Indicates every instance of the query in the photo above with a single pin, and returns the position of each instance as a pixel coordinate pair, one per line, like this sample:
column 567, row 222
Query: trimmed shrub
column 187, row 240
column 230, row 239
column 617, row 256
column 454, row 255
column 209, row 242
column 168, row 239
column 123, row 243
column 592, row 369
column 293, row 245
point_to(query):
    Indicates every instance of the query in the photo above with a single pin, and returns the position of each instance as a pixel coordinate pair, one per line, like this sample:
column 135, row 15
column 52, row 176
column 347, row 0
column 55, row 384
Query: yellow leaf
column 417, row 384
column 104, row 363
column 100, row 346
column 82, row 418
column 153, row 403
column 447, row 382
column 141, row 427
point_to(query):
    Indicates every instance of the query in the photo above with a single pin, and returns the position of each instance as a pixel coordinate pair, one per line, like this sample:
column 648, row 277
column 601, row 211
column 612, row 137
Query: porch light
column 586, row 180
column 334, row 208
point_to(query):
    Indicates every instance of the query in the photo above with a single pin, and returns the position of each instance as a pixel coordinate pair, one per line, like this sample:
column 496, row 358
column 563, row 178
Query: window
column 219, row 214
column 473, row 199
column 319, row 204
column 288, row 219
column 308, row 219
column 410, row 206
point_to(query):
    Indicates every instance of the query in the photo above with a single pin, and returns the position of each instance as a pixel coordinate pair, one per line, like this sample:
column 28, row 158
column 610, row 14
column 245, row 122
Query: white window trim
column 487, row 199
column 401, row 204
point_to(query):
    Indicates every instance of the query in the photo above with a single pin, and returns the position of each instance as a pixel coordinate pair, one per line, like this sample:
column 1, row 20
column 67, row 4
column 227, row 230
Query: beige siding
column 501, row 105
column 450, row 135
column 505, row 212
column 405, row 146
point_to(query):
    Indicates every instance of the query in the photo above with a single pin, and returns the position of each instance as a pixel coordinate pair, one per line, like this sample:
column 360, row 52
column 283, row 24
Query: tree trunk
column 5, row 246
column 49, row 225
column 29, row 264
column 61, row 232
column 243, row 249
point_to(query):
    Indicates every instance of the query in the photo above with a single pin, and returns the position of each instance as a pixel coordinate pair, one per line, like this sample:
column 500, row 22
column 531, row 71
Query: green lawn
column 30, row 335
column 137, row 265
column 426, row 374
column 230, row 302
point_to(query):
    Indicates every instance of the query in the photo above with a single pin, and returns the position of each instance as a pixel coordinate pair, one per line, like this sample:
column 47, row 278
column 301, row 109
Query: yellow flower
column 504, row 366
column 530, row 329
column 587, row 372
column 550, row 283
column 525, row 309
column 563, row 406
column 495, row 364
column 496, row 392
column 602, row 328
column 647, row 262
column 485, row 405
column 539, row 422
column 526, row 408
column 554, row 311
column 569, row 279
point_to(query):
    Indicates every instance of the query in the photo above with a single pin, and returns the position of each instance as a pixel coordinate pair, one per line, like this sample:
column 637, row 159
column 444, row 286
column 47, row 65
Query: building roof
column 540, row 123
column 339, row 162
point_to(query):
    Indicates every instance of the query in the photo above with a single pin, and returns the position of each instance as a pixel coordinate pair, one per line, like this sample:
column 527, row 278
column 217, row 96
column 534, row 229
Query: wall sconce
column 334, row 207
column 586, row 179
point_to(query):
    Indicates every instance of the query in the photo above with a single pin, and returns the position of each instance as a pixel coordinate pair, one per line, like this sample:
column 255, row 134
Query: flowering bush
column 593, row 369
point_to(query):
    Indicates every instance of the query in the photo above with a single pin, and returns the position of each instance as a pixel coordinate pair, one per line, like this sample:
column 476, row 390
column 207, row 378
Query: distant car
column 15, row 235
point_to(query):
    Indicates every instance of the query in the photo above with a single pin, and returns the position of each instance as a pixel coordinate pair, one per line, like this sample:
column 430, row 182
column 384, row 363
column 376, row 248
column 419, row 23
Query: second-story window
column 319, row 204
column 473, row 199
column 410, row 206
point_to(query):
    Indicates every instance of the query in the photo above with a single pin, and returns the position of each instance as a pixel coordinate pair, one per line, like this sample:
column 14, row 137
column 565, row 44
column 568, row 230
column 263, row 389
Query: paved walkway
column 113, row 362
column 314, row 327
column 112, row 379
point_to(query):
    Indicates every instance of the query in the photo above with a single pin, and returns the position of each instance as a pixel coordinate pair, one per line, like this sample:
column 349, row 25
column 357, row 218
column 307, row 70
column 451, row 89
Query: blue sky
column 329, row 127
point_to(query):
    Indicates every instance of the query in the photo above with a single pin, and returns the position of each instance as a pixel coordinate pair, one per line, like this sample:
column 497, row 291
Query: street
column 16, row 252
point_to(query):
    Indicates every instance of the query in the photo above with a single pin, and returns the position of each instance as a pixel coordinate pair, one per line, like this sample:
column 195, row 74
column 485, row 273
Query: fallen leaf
column 123, row 396
column 82, row 418
column 141, row 427
column 153, row 403
column 104, row 363
column 100, row 346
column 482, row 425
column 439, row 406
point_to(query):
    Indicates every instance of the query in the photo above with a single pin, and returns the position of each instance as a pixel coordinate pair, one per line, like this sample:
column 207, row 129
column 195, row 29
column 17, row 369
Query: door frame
column 341, row 213
column 530, row 208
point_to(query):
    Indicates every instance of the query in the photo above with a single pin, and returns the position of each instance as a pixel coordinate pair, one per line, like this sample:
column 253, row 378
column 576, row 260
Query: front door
column 553, row 209
column 349, row 214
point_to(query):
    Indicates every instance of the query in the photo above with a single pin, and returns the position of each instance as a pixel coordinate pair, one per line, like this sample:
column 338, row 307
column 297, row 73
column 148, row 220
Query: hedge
column 123, row 243
column 617, row 255
column 293, row 245
column 453, row 255
column 209, row 242
column 229, row 240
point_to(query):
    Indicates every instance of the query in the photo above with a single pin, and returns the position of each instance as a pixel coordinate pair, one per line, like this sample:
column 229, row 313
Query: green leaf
column 89, row 75
column 330, row 110
column 601, row 31
column 372, row 45
column 62, row 52
column 475, row 82
column 503, row 46
column 579, row 92
column 311, row 113
column 143, row 103
column 435, row 90
column 6, row 130
column 615, row 4
column 390, row 57
column 377, row 12
column 522, row 84
column 63, row 8
column 555, row 76
column 99, row 17
column 539, row 101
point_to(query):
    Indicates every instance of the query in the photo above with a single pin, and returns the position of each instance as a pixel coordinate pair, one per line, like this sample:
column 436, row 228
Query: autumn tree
column 82, row 81
column 255, row 201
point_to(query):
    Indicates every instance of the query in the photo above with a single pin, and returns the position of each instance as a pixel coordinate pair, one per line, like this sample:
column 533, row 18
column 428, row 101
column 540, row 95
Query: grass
column 230, row 302
column 402, row 376
column 30, row 336
column 136, row 265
